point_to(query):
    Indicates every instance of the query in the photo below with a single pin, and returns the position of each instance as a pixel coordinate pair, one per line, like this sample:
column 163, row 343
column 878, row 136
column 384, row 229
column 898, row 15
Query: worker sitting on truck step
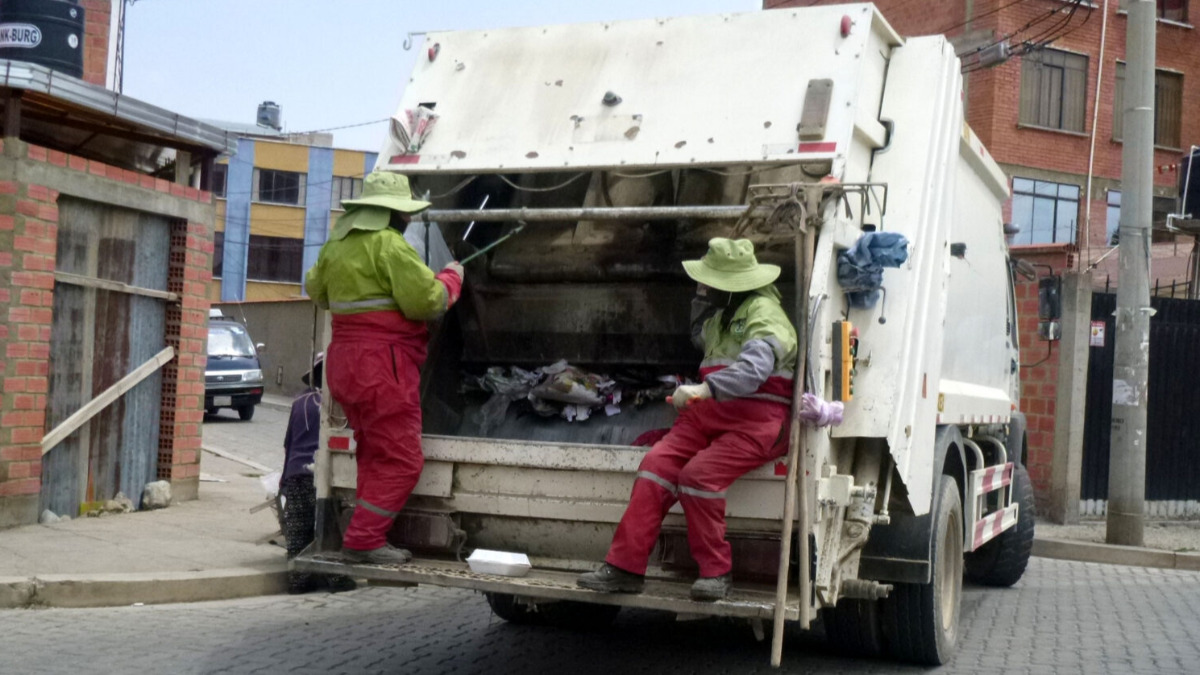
column 380, row 295
column 729, row 424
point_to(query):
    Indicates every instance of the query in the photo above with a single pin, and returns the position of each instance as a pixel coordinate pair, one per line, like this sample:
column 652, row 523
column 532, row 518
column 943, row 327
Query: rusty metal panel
column 99, row 336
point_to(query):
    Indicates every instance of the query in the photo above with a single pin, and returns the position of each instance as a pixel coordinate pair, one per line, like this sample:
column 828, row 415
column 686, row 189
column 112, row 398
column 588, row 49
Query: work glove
column 455, row 267
column 684, row 394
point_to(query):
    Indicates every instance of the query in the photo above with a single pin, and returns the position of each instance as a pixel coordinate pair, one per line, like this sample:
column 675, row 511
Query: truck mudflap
column 661, row 593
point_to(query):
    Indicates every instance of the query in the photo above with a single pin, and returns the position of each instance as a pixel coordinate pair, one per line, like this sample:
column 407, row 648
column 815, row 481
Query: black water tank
column 1190, row 202
column 45, row 32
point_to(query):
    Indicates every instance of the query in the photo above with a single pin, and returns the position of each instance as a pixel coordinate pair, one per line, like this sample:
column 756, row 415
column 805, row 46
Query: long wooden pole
column 795, row 486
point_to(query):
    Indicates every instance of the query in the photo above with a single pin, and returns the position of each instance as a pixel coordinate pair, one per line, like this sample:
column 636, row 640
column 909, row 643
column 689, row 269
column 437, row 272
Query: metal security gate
column 1173, row 419
column 101, row 332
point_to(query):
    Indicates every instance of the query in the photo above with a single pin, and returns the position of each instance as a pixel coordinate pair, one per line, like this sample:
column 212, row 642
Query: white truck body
column 716, row 99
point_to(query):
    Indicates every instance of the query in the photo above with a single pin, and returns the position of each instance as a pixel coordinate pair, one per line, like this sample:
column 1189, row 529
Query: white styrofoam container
column 483, row 561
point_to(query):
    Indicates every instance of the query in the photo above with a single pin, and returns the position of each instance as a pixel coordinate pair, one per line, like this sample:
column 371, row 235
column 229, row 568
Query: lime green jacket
column 375, row 270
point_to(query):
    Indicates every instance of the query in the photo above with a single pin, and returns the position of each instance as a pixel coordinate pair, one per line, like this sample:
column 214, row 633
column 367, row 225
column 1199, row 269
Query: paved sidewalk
column 199, row 550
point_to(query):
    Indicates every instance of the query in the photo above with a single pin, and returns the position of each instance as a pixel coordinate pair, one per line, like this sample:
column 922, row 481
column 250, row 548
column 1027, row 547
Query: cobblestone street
column 1063, row 618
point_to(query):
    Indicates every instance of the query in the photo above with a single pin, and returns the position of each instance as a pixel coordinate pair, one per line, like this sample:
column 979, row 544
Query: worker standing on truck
column 380, row 295
column 729, row 424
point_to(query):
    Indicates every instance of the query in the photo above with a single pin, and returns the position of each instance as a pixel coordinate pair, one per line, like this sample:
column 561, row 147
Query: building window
column 1113, row 221
column 218, row 258
column 1168, row 107
column 345, row 187
column 1054, row 89
column 1173, row 10
column 1045, row 211
column 275, row 259
column 279, row 187
column 1160, row 207
column 219, row 177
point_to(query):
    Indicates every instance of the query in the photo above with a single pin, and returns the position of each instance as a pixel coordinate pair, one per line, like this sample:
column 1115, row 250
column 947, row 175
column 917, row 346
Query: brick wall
column 28, row 233
column 97, row 18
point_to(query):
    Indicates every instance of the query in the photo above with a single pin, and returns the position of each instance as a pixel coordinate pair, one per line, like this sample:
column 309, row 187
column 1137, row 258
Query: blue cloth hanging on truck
column 860, row 267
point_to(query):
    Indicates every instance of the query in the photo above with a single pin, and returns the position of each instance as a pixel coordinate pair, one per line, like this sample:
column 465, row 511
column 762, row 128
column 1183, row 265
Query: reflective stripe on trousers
column 700, row 459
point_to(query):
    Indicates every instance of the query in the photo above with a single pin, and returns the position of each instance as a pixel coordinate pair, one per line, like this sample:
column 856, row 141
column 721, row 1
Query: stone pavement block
column 104, row 590
column 16, row 592
column 1103, row 553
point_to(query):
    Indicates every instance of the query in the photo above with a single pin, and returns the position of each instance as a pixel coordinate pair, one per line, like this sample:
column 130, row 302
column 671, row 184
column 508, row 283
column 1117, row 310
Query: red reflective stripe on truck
column 339, row 442
column 817, row 147
column 404, row 159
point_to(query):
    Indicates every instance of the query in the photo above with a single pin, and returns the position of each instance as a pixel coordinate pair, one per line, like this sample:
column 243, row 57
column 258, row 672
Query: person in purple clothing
column 296, row 485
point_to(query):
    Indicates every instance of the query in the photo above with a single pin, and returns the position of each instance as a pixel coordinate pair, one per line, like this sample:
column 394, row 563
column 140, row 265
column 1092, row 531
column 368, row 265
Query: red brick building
column 1040, row 113
column 106, row 242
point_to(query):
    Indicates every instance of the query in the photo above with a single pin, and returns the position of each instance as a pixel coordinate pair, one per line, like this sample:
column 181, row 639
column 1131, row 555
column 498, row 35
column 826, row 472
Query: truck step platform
column 746, row 601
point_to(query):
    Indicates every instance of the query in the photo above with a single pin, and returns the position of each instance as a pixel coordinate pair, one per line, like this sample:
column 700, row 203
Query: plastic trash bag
column 439, row 253
column 860, row 267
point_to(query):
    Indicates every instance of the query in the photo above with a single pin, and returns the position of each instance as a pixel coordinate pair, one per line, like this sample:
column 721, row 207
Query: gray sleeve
column 751, row 369
column 702, row 310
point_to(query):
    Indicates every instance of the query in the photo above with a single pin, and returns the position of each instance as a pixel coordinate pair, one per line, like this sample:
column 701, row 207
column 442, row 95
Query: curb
column 1112, row 554
column 282, row 407
column 110, row 590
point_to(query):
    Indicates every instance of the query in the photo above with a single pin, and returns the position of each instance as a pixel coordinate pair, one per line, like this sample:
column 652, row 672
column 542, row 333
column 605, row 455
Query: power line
column 978, row 16
column 345, row 126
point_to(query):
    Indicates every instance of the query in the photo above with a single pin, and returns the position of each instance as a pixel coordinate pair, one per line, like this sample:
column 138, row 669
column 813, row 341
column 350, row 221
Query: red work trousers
column 711, row 445
column 374, row 371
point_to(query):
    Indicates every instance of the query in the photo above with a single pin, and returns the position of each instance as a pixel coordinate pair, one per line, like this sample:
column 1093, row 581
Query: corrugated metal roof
column 115, row 114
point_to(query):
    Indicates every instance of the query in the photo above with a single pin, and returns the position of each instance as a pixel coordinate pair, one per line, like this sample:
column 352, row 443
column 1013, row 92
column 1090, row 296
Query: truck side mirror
column 260, row 347
column 1050, row 307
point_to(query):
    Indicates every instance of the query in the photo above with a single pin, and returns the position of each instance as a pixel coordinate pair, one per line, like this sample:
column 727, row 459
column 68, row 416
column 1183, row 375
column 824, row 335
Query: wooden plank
column 105, row 398
column 108, row 285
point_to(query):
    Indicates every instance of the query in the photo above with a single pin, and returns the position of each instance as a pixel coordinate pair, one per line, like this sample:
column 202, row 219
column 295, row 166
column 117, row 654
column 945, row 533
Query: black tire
column 246, row 412
column 920, row 621
column 506, row 607
column 563, row 614
column 578, row 615
column 853, row 628
column 1002, row 561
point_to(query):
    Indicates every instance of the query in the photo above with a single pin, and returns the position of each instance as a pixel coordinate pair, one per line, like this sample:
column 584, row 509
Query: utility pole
column 1131, row 368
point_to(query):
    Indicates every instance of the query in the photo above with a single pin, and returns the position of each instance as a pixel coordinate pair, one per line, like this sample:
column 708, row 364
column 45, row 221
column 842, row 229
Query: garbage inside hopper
column 563, row 390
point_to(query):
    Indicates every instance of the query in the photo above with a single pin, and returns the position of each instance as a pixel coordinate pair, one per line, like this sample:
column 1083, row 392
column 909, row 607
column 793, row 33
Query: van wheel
column 246, row 412
column 1002, row 561
column 853, row 627
column 920, row 621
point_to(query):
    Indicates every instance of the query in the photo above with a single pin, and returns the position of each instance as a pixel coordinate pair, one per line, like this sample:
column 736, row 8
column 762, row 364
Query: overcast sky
column 327, row 63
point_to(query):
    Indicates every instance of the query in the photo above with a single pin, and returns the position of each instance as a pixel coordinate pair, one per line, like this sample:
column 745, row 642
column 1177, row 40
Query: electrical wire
column 345, row 126
column 977, row 17
column 551, row 188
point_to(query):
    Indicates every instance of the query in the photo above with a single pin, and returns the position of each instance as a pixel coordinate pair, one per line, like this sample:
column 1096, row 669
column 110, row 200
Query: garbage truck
column 620, row 149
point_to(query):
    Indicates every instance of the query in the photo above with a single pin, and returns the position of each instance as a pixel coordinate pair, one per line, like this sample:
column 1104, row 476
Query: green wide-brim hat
column 387, row 190
column 730, row 266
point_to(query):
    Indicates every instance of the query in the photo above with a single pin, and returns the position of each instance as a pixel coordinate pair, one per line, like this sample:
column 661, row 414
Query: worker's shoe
column 609, row 579
column 708, row 589
column 384, row 555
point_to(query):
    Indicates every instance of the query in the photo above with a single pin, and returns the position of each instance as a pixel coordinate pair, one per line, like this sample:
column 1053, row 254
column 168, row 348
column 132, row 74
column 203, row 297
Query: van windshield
column 229, row 340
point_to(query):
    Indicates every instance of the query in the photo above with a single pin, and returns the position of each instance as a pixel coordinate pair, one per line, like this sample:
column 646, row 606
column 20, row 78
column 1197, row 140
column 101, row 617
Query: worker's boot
column 609, row 579
column 384, row 555
column 708, row 589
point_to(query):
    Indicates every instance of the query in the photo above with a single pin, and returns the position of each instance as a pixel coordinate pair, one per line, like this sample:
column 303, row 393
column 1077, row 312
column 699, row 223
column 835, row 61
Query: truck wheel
column 853, row 627
column 246, row 412
column 920, row 621
column 562, row 614
column 578, row 615
column 506, row 607
column 1002, row 561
